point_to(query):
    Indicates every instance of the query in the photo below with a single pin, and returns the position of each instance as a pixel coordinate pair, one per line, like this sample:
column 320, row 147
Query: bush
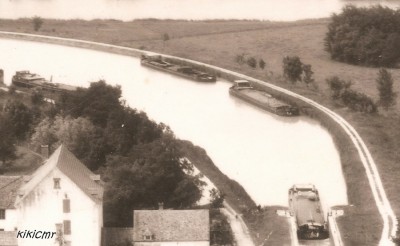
column 252, row 62
column 37, row 23
column 357, row 101
column 292, row 68
column 365, row 36
column 337, row 86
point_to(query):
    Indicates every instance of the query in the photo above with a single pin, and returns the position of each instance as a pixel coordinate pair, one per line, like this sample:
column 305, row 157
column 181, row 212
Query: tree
column 337, row 86
column 216, row 198
column 37, row 97
column 151, row 173
column 252, row 62
column 365, row 36
column 308, row 74
column 37, row 23
column 20, row 117
column 7, row 140
column 240, row 59
column 357, row 101
column 96, row 103
column 387, row 97
column 80, row 136
column 292, row 68
column 261, row 63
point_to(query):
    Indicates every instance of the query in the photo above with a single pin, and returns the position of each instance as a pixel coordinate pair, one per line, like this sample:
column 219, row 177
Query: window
column 66, row 206
column 67, row 227
column 57, row 183
column 2, row 214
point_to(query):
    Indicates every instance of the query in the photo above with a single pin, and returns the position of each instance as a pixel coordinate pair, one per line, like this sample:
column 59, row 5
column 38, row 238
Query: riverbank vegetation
column 219, row 42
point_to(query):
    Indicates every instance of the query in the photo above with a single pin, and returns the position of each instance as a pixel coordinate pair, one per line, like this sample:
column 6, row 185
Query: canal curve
column 263, row 152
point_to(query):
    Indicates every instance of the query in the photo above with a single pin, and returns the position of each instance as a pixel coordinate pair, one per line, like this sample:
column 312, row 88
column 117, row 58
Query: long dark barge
column 30, row 80
column 305, row 205
column 244, row 90
column 157, row 62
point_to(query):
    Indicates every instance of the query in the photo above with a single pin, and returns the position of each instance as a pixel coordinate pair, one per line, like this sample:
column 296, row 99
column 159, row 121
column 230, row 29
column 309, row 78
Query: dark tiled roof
column 171, row 225
column 68, row 164
column 8, row 238
column 9, row 186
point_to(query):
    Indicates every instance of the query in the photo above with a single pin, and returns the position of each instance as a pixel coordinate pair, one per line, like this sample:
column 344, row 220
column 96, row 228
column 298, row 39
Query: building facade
column 60, row 204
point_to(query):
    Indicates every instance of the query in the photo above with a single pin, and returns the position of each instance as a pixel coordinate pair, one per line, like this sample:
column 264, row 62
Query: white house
column 171, row 228
column 61, row 203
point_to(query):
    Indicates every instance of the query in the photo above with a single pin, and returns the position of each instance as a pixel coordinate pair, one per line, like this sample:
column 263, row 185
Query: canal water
column 265, row 153
column 278, row 10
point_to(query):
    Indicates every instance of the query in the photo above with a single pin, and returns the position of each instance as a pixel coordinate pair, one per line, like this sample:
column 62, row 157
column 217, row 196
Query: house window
column 67, row 227
column 57, row 183
column 66, row 206
column 2, row 214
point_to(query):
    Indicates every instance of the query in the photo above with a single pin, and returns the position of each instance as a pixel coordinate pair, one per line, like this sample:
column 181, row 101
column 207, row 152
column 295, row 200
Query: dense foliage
column 384, row 81
column 7, row 140
column 152, row 173
column 138, row 158
column 365, row 36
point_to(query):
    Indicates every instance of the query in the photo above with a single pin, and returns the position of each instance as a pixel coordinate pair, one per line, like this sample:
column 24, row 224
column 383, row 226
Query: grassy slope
column 217, row 42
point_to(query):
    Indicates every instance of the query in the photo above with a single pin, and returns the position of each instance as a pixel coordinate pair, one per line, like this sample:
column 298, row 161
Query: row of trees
column 365, row 36
column 250, row 61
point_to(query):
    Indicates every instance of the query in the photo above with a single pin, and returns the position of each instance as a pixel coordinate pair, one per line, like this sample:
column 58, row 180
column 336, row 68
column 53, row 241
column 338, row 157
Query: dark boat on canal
column 244, row 90
column 30, row 80
column 157, row 62
column 305, row 205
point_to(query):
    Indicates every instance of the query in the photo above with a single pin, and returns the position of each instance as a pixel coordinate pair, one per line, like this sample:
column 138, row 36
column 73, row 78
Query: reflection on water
column 286, row 10
column 265, row 153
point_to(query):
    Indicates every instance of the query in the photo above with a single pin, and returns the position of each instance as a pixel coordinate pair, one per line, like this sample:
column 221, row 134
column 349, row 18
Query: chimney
column 1, row 76
column 160, row 206
column 45, row 151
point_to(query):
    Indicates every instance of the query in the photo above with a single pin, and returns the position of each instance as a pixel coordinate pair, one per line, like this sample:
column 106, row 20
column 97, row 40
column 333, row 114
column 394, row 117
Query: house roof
column 9, row 186
column 171, row 225
column 8, row 238
column 74, row 169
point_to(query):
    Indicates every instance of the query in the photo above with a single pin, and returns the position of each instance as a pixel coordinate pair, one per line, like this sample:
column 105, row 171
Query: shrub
column 252, row 62
column 37, row 23
column 292, row 68
column 357, row 101
column 387, row 97
column 261, row 64
column 365, row 36
column 337, row 86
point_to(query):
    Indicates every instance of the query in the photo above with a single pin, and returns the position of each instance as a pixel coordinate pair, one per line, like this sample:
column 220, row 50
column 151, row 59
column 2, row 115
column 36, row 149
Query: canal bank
column 308, row 107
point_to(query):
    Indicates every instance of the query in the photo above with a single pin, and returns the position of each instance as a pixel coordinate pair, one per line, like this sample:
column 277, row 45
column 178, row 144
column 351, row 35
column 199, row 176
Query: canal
column 265, row 153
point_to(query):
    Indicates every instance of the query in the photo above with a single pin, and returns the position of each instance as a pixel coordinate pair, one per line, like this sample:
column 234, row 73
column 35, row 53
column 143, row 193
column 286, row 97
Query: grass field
column 218, row 42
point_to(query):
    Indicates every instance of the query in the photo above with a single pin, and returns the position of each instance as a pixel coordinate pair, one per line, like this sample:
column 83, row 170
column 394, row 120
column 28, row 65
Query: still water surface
column 282, row 10
column 263, row 152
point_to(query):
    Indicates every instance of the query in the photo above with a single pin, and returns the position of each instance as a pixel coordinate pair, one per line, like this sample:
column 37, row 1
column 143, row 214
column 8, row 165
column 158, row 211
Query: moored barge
column 187, row 72
column 30, row 80
column 244, row 90
column 305, row 205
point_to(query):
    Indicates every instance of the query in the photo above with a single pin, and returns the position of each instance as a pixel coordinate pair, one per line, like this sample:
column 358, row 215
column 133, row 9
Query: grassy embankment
column 218, row 42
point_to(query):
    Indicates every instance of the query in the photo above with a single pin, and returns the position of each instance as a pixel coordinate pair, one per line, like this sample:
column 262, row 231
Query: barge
column 30, row 80
column 244, row 90
column 187, row 72
column 305, row 206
